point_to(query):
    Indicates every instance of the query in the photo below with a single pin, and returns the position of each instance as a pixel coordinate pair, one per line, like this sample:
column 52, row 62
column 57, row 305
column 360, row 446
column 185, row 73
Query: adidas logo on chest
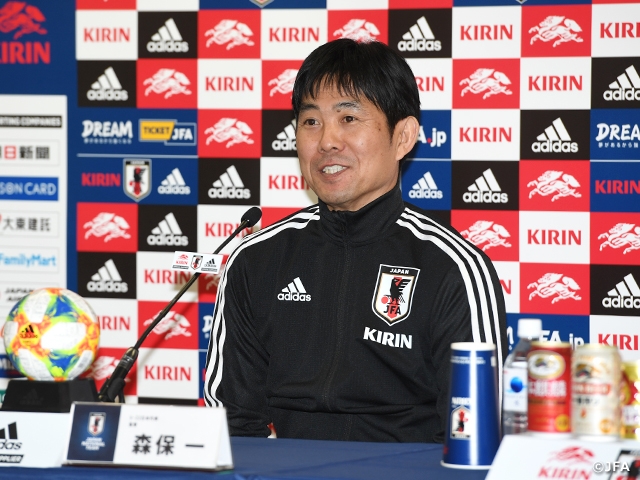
column 294, row 292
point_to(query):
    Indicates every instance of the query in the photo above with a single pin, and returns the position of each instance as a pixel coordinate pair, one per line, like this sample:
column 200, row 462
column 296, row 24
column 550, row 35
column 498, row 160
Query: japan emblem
column 137, row 178
column 393, row 294
column 96, row 423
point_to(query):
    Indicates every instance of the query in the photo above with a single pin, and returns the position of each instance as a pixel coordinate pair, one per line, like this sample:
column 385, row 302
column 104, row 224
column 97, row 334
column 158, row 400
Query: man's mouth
column 331, row 169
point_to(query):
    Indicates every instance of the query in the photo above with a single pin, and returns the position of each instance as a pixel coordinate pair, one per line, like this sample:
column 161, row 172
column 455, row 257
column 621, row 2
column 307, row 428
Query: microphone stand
column 114, row 385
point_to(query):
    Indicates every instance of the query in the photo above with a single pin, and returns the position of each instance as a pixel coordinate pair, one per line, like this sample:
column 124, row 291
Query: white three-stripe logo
column 288, row 132
column 169, row 31
column 295, row 287
column 107, row 272
column 107, row 81
column 486, row 183
column 421, row 30
column 229, row 179
column 168, row 226
column 626, row 288
column 555, row 131
column 174, row 178
column 630, row 80
column 426, row 182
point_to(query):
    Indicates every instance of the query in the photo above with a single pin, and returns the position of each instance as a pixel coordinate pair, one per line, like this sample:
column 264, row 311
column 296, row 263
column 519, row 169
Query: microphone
column 113, row 386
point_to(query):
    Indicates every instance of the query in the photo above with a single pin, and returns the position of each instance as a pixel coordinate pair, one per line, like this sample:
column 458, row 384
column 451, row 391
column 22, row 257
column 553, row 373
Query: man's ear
column 407, row 135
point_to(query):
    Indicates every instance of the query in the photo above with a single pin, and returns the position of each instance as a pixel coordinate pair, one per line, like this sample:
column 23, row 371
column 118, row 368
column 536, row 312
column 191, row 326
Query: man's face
column 346, row 153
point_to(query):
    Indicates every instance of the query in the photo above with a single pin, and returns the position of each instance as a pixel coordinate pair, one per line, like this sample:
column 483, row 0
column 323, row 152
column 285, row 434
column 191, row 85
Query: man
column 336, row 322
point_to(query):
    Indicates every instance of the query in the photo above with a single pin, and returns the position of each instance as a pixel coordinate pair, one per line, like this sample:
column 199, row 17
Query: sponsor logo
column 487, row 80
column 229, row 185
column 437, row 138
column 626, row 87
column 231, row 33
column 22, row 19
column 294, row 292
column 173, row 325
column 167, row 39
column 28, row 153
column 107, row 132
column 555, row 83
column 621, row 235
column 283, row 83
column 555, row 286
column 168, row 81
column 393, row 292
column 96, row 423
column 100, row 179
column 460, row 426
column 485, row 234
column 286, row 139
column 137, row 179
column 360, row 30
column 29, row 188
column 626, row 294
column 556, row 183
column 114, row 323
column 107, row 279
column 425, row 188
column 294, row 34
column 619, row 30
column 430, row 84
column 167, row 373
column 208, row 323
column 555, row 138
column 616, row 187
column 229, row 130
column 397, row 340
column 107, row 225
column 554, row 237
column 170, row 132
column 168, row 232
column 617, row 132
column 563, row 463
column 229, row 84
column 103, row 367
column 108, row 88
column 485, row 190
column 106, row 34
column 419, row 38
column 558, row 29
column 620, row 340
column 486, row 32
column 9, row 441
column 174, row 184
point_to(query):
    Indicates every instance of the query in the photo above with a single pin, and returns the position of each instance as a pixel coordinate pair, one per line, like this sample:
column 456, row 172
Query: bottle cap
column 529, row 327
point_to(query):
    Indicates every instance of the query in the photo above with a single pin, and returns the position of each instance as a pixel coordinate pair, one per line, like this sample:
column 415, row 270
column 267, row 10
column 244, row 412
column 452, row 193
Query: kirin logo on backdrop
column 485, row 234
column 557, row 29
column 555, row 286
column 556, row 183
column 283, row 83
column 107, row 225
column 22, row 19
column 168, row 81
column 358, row 29
column 621, row 235
column 229, row 130
column 173, row 325
column 488, row 81
column 231, row 33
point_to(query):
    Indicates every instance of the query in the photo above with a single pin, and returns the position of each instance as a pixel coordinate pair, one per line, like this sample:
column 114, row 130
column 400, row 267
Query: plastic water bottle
column 514, row 409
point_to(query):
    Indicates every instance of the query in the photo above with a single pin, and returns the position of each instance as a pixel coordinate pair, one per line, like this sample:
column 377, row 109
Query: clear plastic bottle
column 514, row 406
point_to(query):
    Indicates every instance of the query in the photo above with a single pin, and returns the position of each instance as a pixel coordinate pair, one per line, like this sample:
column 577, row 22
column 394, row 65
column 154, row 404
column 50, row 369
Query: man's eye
column 349, row 119
column 310, row 121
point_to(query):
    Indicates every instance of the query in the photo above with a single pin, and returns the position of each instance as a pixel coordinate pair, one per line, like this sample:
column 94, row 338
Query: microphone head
column 252, row 216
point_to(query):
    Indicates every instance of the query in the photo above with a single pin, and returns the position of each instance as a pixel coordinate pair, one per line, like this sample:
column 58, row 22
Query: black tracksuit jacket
column 338, row 325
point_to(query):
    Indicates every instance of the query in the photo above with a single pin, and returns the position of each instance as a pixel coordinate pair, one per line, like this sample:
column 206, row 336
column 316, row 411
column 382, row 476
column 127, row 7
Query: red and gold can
column 595, row 392
column 549, row 374
column 631, row 400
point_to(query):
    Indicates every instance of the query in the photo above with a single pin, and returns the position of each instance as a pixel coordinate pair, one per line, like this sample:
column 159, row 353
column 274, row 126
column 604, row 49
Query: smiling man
column 336, row 322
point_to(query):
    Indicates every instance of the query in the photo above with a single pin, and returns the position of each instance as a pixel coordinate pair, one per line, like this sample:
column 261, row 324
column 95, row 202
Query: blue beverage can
column 472, row 434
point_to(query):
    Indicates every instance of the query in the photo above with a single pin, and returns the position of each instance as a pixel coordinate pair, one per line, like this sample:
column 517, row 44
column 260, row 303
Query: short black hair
column 355, row 68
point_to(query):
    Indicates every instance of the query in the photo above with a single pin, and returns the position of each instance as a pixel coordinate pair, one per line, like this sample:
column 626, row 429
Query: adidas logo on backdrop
column 485, row 190
column 419, row 38
column 168, row 232
column 554, row 139
column 295, row 292
column 174, row 184
column 627, row 87
column 108, row 88
column 625, row 295
column 107, row 279
column 286, row 140
column 229, row 185
column 168, row 39
column 425, row 188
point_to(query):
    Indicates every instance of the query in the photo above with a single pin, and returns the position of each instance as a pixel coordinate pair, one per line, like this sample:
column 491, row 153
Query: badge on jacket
column 393, row 294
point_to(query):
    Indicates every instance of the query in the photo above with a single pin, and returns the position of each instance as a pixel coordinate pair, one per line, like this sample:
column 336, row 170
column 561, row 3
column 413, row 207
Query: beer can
column 595, row 392
column 631, row 400
column 549, row 385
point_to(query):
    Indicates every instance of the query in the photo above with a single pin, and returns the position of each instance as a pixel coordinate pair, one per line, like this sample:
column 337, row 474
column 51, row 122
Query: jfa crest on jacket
column 394, row 292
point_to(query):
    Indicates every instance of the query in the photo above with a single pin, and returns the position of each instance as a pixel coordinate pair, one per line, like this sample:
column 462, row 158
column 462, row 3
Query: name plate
column 531, row 457
column 29, row 439
column 159, row 436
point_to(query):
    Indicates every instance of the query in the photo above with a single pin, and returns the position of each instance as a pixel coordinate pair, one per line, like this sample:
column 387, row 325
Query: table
column 270, row 459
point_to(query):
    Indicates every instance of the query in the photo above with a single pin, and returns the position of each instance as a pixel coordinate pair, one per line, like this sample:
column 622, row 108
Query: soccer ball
column 51, row 334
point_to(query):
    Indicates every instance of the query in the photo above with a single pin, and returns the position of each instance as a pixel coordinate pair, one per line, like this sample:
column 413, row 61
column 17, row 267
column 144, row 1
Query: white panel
column 485, row 134
column 292, row 36
column 554, row 235
column 282, row 184
column 106, row 35
column 486, row 32
column 230, row 83
column 555, row 83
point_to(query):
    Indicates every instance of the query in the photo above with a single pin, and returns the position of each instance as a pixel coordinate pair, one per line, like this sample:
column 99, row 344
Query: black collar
column 366, row 225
